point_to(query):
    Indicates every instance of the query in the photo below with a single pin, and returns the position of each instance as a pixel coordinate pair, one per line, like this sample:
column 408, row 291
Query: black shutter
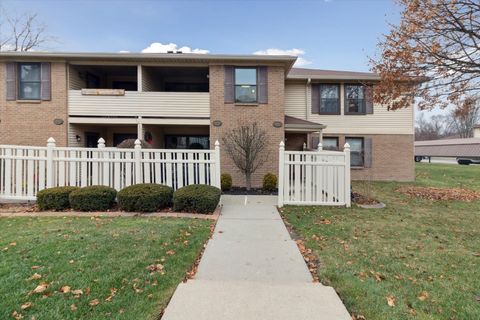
column 46, row 79
column 229, row 85
column 11, row 81
column 367, row 152
column 315, row 99
column 369, row 99
column 262, row 84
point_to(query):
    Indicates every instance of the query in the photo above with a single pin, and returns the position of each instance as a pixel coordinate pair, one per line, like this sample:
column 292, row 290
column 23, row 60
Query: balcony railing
column 145, row 104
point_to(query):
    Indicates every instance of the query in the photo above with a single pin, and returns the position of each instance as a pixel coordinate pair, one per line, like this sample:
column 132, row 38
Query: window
column 356, row 151
column 329, row 99
column 246, row 85
column 29, row 81
column 186, row 142
column 330, row 143
column 354, row 99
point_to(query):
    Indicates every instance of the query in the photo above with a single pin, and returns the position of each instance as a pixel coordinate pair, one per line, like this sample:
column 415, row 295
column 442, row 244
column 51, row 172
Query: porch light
column 78, row 138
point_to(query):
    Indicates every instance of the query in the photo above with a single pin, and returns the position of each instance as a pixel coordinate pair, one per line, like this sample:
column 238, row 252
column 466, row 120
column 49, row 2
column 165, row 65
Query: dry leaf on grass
column 35, row 276
column 17, row 315
column 94, row 302
column 35, row 267
column 445, row 194
column 26, row 305
column 73, row 307
column 423, row 296
column 64, row 289
column 40, row 288
column 391, row 301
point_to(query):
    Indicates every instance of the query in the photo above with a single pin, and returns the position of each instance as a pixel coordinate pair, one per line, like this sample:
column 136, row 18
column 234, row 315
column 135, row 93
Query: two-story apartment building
column 178, row 100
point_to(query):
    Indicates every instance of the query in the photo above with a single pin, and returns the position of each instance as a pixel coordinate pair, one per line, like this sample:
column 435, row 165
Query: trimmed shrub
column 270, row 182
column 199, row 198
column 93, row 198
column 55, row 198
column 130, row 144
column 147, row 197
column 226, row 181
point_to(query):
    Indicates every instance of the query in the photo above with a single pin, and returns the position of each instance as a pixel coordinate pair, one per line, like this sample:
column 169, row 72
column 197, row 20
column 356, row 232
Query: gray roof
column 128, row 56
column 317, row 74
column 296, row 123
column 469, row 147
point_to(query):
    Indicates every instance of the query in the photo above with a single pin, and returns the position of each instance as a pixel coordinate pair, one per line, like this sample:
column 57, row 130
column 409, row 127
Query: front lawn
column 94, row 268
column 415, row 259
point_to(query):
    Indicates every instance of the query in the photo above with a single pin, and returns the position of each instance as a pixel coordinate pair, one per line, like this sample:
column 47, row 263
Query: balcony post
column 139, row 128
column 139, row 78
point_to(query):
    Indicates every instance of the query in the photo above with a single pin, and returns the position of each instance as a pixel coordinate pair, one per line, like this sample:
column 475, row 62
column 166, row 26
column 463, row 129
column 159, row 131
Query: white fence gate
column 25, row 170
column 314, row 177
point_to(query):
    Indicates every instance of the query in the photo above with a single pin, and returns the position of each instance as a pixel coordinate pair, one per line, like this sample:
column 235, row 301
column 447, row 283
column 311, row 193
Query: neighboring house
column 178, row 100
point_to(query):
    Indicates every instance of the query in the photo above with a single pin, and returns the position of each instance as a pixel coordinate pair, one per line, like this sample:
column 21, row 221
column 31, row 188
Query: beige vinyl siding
column 295, row 100
column 75, row 82
column 380, row 122
column 147, row 104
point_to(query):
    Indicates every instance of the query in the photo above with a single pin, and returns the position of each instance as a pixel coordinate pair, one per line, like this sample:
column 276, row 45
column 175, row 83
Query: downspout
column 309, row 81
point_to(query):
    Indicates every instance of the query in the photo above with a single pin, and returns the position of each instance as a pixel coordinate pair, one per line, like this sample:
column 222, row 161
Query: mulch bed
column 431, row 193
column 251, row 192
column 363, row 200
column 31, row 210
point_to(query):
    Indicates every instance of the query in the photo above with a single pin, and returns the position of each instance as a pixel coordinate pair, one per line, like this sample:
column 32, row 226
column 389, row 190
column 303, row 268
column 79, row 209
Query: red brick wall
column 264, row 115
column 31, row 123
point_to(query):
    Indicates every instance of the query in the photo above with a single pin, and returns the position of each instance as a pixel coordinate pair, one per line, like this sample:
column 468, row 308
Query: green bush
column 199, row 198
column 146, row 197
column 226, row 181
column 270, row 182
column 54, row 198
column 93, row 198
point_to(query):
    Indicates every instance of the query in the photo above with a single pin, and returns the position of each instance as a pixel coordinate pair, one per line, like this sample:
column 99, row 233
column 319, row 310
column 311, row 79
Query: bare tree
column 432, row 54
column 464, row 117
column 435, row 127
column 245, row 145
column 22, row 33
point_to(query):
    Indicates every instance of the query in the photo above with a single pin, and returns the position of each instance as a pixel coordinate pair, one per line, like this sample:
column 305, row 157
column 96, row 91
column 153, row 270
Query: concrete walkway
column 252, row 269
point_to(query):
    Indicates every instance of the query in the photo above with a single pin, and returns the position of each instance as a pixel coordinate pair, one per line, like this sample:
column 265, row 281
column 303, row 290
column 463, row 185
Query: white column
column 348, row 200
column 139, row 78
column 281, row 168
column 50, row 173
column 138, row 161
column 217, row 165
column 139, row 128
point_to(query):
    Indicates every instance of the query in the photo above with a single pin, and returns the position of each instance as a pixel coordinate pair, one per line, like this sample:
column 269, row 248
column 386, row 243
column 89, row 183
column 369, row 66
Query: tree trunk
column 248, row 180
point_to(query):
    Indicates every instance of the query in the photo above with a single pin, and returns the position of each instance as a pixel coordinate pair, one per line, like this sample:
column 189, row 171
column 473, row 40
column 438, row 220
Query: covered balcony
column 132, row 91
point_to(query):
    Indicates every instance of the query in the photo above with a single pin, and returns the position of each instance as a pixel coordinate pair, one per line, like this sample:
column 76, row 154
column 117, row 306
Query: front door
column 91, row 139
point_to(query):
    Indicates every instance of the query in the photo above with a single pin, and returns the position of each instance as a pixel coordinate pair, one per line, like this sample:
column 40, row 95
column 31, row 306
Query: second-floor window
column 329, row 99
column 29, row 81
column 245, row 85
column 354, row 99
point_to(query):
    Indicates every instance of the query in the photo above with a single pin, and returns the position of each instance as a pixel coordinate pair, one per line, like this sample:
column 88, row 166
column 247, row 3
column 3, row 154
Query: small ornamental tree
column 245, row 146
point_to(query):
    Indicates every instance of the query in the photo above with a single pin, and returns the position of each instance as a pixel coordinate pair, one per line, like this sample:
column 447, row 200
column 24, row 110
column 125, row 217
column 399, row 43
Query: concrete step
column 247, row 260
column 234, row 300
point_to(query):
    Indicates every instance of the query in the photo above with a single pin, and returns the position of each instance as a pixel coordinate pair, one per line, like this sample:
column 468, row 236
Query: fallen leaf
column 113, row 291
column 73, row 307
column 77, row 293
column 65, row 289
column 40, row 288
column 170, row 252
column 423, row 296
column 391, row 301
column 13, row 244
column 35, row 276
column 35, row 267
column 26, row 305
column 17, row 315
column 94, row 302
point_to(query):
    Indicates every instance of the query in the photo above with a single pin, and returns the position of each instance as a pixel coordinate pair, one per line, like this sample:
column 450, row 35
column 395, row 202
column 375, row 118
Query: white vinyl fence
column 314, row 177
column 25, row 170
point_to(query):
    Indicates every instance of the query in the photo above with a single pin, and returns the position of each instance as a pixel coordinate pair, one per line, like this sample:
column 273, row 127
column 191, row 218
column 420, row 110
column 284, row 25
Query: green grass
column 410, row 247
column 95, row 255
